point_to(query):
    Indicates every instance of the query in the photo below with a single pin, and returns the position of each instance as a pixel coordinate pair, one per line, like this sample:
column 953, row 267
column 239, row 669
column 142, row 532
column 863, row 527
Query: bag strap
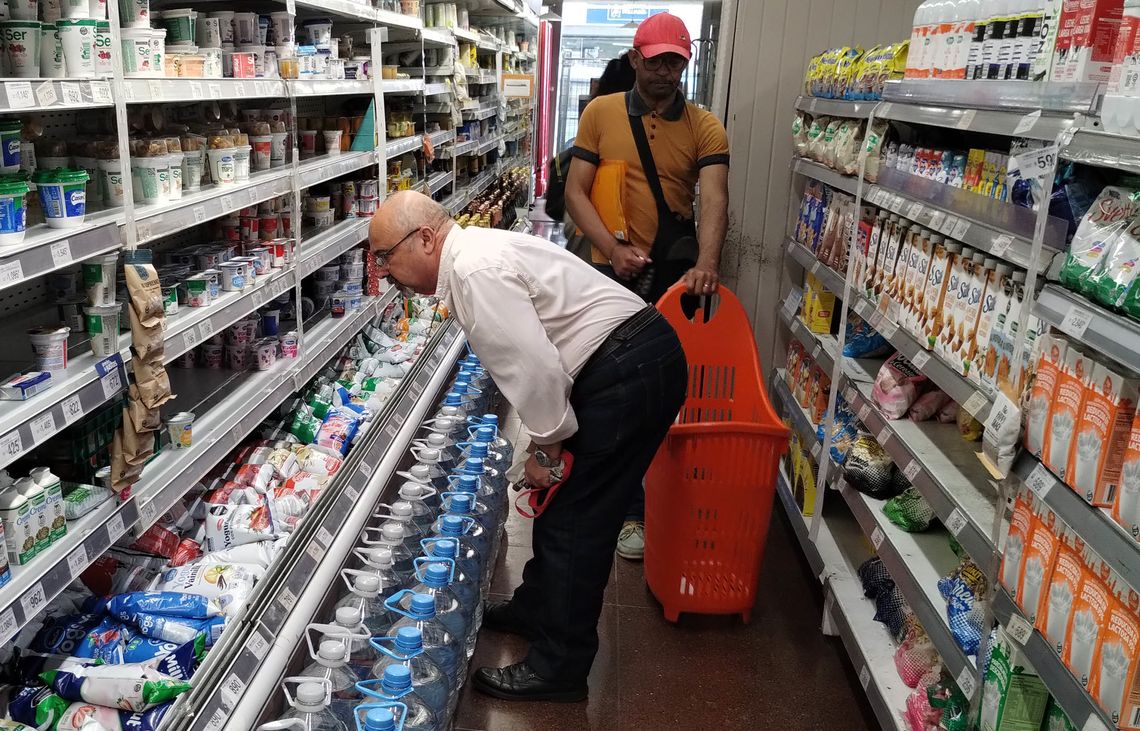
column 649, row 166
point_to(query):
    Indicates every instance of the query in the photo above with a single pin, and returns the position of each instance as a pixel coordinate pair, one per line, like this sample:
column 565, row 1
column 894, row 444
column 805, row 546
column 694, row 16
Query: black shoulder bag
column 675, row 247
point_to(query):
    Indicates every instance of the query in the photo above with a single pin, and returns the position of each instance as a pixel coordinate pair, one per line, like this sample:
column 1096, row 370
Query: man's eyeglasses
column 382, row 257
column 671, row 61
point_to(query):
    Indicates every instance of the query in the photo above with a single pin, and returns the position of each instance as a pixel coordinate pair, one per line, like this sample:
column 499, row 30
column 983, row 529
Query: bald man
column 592, row 370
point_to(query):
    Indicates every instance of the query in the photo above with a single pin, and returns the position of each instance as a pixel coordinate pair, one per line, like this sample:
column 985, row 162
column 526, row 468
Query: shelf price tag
column 61, row 253
column 967, row 683
column 233, row 689
column 239, row 88
column 199, row 214
column 975, row 403
column 1001, row 245
column 206, row 330
column 316, row 552
column 33, row 601
column 324, row 536
column 948, row 225
column 45, row 94
column 865, row 677
column 11, row 446
column 72, row 94
column 215, row 90
column 956, row 522
column 190, row 338
column 20, row 94
column 227, row 203
column 1019, row 628
column 196, row 89
column 920, row 358
column 960, row 229
column 1094, row 723
column 217, row 719
column 11, row 273
column 43, row 426
column 964, row 122
column 912, row 470
column 352, row 493
column 937, row 219
column 258, row 645
column 1026, row 123
column 77, row 561
column 816, row 448
column 1076, row 322
column 1040, row 481
column 72, row 409
column 884, row 435
column 8, row 626
column 864, row 412
column 287, row 599
column 155, row 90
column 115, row 527
column 101, row 92
column 914, row 211
column 112, row 383
column 877, row 537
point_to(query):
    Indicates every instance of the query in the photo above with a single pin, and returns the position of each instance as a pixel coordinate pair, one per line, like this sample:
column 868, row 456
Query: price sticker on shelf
column 352, row 493
column 239, row 88
column 877, row 537
column 920, row 358
column 72, row 94
column 816, row 350
column 1001, row 245
column 316, row 552
column 884, row 435
column 960, row 229
column 155, row 88
column 1019, row 628
column 217, row 719
column 816, row 448
column 914, row 211
column 1040, row 481
column 115, row 527
column 864, row 412
column 43, row 427
column 865, row 677
column 199, row 214
column 8, row 626
column 33, row 601
column 45, row 94
column 196, row 90
column 101, row 92
column 975, row 403
column 11, row 273
column 287, row 599
column 215, row 90
column 1026, row 123
column 937, row 219
column 72, row 409
column 11, row 447
column 20, row 95
column 258, row 645
column 233, row 689
column 61, row 253
column 189, row 338
column 967, row 681
column 967, row 118
column 956, row 522
column 324, row 537
column 147, row 513
column 792, row 303
column 1094, row 723
column 948, row 225
column 112, row 383
column 850, row 393
column 206, row 330
column 912, row 469
column 227, row 203
column 77, row 561
column 815, row 267
column 1076, row 322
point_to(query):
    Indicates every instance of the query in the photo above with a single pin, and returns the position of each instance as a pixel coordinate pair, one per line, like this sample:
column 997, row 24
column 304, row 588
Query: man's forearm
column 588, row 221
column 711, row 232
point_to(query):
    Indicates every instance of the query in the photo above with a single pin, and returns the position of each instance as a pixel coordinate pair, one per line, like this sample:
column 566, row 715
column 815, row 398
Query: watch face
column 544, row 459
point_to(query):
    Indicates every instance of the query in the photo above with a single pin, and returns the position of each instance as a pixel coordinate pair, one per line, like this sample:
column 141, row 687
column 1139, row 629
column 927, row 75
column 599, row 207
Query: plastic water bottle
column 377, row 559
column 485, row 510
column 439, row 644
column 424, row 500
column 396, row 685
column 390, row 535
column 330, row 662
column 490, row 452
column 455, row 400
column 493, row 488
column 435, row 577
column 453, row 531
column 427, row 470
column 429, row 682
column 403, row 513
column 387, row 716
column 443, row 443
column 309, row 709
column 460, row 505
column 465, row 585
column 501, row 443
column 469, row 397
column 479, row 399
column 361, row 655
column 365, row 596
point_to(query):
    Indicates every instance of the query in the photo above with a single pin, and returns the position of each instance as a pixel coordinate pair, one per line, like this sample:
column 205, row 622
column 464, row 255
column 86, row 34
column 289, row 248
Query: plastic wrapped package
column 800, row 125
column 970, row 428
column 869, row 469
column 875, row 577
column 965, row 609
column 917, row 661
column 862, row 340
column 1095, row 234
column 891, row 609
column 233, row 525
column 927, row 406
column 919, row 715
column 910, row 511
column 134, row 687
column 897, row 386
column 82, row 716
column 229, row 584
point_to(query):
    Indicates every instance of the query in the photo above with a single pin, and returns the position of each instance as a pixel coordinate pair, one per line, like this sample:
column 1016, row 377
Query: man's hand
column 628, row 261
column 701, row 280
column 537, row 475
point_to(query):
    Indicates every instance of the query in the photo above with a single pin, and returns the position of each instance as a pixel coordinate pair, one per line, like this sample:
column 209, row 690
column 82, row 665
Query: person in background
column 686, row 145
column 597, row 377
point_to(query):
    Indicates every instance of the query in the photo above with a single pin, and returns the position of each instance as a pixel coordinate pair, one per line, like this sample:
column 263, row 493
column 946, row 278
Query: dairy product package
column 83, row 499
column 1085, row 41
column 992, row 287
column 233, row 525
column 1101, row 437
column 800, row 124
column 1016, row 542
column 1013, row 697
column 229, row 584
column 934, row 295
column 134, row 687
column 81, row 716
column 1116, row 271
column 1052, row 354
column 1040, row 554
column 169, row 603
column 1090, row 617
column 1101, row 224
column 1065, row 411
column 1126, row 507
column 1115, row 679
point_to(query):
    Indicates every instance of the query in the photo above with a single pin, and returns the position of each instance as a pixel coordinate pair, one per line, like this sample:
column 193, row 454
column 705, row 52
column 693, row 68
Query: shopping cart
column 710, row 489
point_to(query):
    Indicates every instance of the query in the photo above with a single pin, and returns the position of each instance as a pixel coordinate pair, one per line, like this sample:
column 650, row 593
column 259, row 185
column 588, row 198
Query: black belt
column 626, row 331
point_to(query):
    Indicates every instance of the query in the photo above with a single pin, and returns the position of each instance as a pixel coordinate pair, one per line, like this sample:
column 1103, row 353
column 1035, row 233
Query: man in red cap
column 666, row 146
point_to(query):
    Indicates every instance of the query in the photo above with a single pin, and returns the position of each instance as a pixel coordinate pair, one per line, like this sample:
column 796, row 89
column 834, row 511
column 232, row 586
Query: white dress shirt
column 534, row 314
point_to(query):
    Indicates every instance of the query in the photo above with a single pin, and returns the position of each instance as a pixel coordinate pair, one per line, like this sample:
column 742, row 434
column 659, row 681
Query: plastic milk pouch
column 1115, row 273
column 1064, row 584
column 1105, row 219
column 1115, row 682
column 1089, row 620
column 1020, row 527
column 1102, row 434
column 1041, row 550
column 1126, row 508
column 1049, row 367
column 1013, row 697
column 1064, row 413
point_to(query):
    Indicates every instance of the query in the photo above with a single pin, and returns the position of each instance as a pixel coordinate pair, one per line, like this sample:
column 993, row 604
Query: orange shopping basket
column 709, row 491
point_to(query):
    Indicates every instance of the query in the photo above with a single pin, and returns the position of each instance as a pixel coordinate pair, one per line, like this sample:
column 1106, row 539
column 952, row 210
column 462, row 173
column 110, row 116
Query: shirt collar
column 446, row 260
column 638, row 106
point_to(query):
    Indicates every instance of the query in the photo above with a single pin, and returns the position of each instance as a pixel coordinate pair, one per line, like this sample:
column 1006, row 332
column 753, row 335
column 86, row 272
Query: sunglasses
column 671, row 61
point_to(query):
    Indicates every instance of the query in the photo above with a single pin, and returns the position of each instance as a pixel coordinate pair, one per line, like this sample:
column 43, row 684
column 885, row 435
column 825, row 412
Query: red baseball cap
column 662, row 33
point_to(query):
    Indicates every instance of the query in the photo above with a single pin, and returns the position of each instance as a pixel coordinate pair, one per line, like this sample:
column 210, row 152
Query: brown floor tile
column 631, row 588
column 508, row 573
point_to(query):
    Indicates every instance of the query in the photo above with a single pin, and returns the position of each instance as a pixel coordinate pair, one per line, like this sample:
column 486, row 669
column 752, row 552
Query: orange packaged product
column 1064, row 412
column 821, row 389
column 1102, row 435
column 1090, row 618
column 1040, row 553
column 1016, row 541
column 795, row 355
column 1126, row 507
column 1064, row 584
column 1052, row 349
column 1116, row 682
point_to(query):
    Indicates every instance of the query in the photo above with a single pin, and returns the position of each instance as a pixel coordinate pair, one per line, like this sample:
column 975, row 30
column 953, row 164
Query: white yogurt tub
column 134, row 13
column 21, row 47
column 13, row 211
column 181, row 427
column 50, row 347
column 223, row 166
column 233, row 276
column 138, row 59
column 99, row 278
column 103, row 327
column 241, row 162
column 78, row 38
column 63, row 196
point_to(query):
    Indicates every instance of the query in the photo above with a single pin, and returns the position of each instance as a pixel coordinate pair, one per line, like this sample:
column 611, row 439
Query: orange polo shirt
column 683, row 140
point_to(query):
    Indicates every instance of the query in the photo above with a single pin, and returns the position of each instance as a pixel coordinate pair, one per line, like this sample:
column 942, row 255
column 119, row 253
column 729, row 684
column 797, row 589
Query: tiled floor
column 778, row 672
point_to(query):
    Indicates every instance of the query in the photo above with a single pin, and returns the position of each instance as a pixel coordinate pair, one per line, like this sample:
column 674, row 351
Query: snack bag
column 1064, row 412
column 1108, row 216
column 964, row 591
column 800, row 125
column 1102, row 432
column 1049, row 365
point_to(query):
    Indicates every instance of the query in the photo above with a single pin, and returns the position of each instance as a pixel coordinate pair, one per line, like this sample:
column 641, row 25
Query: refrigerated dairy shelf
column 835, row 107
column 437, row 37
column 329, row 87
column 45, row 249
column 321, row 247
column 824, row 174
column 402, row 86
column 1018, row 95
column 1114, row 335
column 51, row 95
column 326, row 167
column 151, row 91
column 1032, row 124
column 403, row 145
column 439, row 181
column 1095, row 147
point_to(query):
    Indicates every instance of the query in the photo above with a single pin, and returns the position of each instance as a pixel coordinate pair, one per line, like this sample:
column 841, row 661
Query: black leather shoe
column 519, row 682
column 499, row 617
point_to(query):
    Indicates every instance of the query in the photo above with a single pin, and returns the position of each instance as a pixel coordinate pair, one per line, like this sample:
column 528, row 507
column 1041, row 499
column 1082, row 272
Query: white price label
column 1001, row 245
column 77, row 561
column 1040, row 481
column 912, row 470
column 960, row 229
column 792, row 303
column 233, row 689
column 215, row 90
column 366, row 469
column 920, row 359
column 877, row 537
column 33, row 601
column 258, row 645
column 43, row 427
column 8, row 626
column 815, row 266
column 889, row 329
column 72, row 409
column 61, row 253
column 937, row 219
column 227, row 203
column 291, row 7
column 352, row 493
column 45, row 94
column 1019, row 629
column 1076, row 322
column 948, row 225
column 956, row 522
column 72, row 94
column 190, row 338
column 865, row 677
column 1026, row 123
column 101, row 92
column 11, row 447
column 206, row 330
column 967, row 682
column 1035, row 164
column 239, row 88
column 11, row 273
column 20, row 94
column 884, row 110
column 217, row 720
column 155, row 90
column 1094, row 723
column 914, row 211
column 115, row 527
column 316, row 552
column 816, row 350
column 199, row 214
column 967, row 118
column 816, row 448
column 287, row 599
column 324, row 536
column 147, row 513
column 196, row 89
column 112, row 383
column 975, row 403
column 864, row 412
column 884, row 435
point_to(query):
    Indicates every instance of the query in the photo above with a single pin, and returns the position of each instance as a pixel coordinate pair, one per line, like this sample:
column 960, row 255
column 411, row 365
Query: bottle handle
column 399, row 710
column 412, row 478
column 468, row 523
column 425, row 561
column 378, row 645
column 347, row 574
column 392, row 603
column 333, row 632
column 297, row 680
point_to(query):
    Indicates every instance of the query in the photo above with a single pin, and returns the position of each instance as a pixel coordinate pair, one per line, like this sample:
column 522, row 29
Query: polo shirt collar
column 446, row 264
column 639, row 107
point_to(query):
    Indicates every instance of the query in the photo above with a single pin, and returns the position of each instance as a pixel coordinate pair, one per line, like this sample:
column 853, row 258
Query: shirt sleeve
column 587, row 144
column 712, row 142
column 493, row 304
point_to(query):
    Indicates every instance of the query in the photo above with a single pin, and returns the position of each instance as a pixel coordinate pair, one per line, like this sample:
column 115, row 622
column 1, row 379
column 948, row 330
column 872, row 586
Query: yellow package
column 812, row 75
column 895, row 63
column 803, row 480
column 863, row 83
column 845, row 70
column 818, row 306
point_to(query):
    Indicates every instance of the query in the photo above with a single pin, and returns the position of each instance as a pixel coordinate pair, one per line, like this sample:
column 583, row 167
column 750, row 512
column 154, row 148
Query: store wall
column 773, row 41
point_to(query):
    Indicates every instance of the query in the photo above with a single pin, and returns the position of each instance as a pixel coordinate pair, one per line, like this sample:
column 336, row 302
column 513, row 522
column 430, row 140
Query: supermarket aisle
column 777, row 672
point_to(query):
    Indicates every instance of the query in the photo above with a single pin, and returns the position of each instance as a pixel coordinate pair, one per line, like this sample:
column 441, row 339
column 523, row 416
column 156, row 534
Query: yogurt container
column 24, row 9
column 198, row 291
column 103, row 327
column 260, row 151
column 277, row 150
column 211, row 62
column 284, row 30
column 288, row 342
column 340, row 303
column 319, row 32
column 308, row 143
column 21, row 40
column 213, row 279
column 91, row 166
column 50, row 347
column 225, row 26
column 138, row 54
column 328, row 273
column 270, row 322
column 78, row 38
column 145, row 176
column 245, row 29
column 212, row 356
column 208, row 32
column 111, row 181
column 52, row 162
column 266, row 354
column 10, row 131
column 186, row 360
column 332, row 141
column 262, row 260
column 237, row 357
column 63, row 196
column 233, row 276
column 51, row 53
column 193, row 167
column 243, row 63
column 277, row 250
column 223, row 167
column 174, row 159
column 249, row 271
column 99, row 279
column 134, row 13
column 13, row 210
column 180, row 25
column 75, row 9
column 19, row 530
column 181, row 428
column 103, row 49
column 170, row 299
column 241, row 162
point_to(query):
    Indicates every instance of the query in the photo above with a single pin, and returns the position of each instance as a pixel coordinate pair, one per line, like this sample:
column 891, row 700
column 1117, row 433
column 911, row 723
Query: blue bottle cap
column 471, row 359
column 485, row 434
column 463, row 377
column 451, row 525
column 453, row 399
column 437, row 575
column 473, row 465
column 491, row 419
column 468, row 483
column 478, row 449
column 423, row 606
column 409, row 639
column 397, row 678
column 462, row 503
column 379, row 719
column 447, row 548
column 459, row 387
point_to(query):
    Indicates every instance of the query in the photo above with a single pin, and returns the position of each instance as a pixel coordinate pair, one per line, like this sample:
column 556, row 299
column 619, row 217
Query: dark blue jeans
column 626, row 398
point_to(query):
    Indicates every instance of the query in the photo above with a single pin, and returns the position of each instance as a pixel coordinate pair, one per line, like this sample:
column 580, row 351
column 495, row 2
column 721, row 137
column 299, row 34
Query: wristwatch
column 545, row 461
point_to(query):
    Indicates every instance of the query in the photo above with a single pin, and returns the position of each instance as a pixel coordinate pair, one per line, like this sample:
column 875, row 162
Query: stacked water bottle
column 394, row 653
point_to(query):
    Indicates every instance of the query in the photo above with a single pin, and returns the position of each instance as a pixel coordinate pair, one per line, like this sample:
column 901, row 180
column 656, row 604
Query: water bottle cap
column 380, row 556
column 429, row 455
column 397, row 678
column 453, row 399
column 311, row 694
column 402, row 509
column 470, row 483
column 411, row 490
column 478, row 450
column 448, row 411
column 348, row 616
column 437, row 575
column 485, row 434
column 409, row 639
column 423, row 605
column 379, row 719
column 463, row 378
column 367, row 584
column 459, row 388
column 452, row 525
column 447, row 548
column 331, row 650
column 491, row 419
column 436, row 441
column 420, row 472
column 445, row 424
column 392, row 531
column 461, row 503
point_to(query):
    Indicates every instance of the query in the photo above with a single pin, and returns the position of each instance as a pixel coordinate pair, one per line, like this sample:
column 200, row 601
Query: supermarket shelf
column 800, row 523
column 465, row 35
column 480, row 76
column 800, row 420
column 835, row 107
column 968, row 396
column 327, row 167
column 439, row 181
column 1102, row 149
column 477, row 114
column 1052, row 97
column 916, row 561
column 402, row 86
column 487, row 46
column 1083, row 711
column 156, row 221
column 441, row 137
column 1114, row 335
column 329, row 87
column 322, row 247
column 403, row 145
column 824, row 174
column 1097, row 528
column 1002, row 229
column 487, row 145
column 1033, row 124
column 40, row 95
column 464, row 147
column 437, row 37
column 428, row 70
column 436, row 89
column 192, row 325
column 149, row 91
column 46, row 249
column 833, row 280
column 343, row 8
column 397, row 20
column 821, row 348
